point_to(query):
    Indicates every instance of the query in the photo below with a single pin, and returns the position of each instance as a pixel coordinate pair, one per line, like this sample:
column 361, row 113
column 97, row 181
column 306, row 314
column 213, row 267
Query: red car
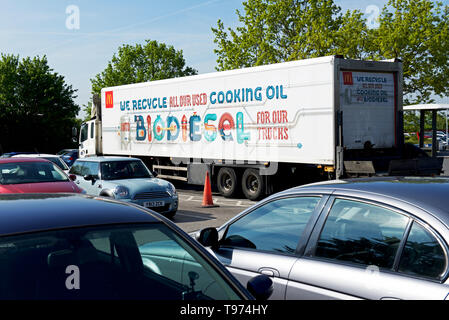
column 34, row 175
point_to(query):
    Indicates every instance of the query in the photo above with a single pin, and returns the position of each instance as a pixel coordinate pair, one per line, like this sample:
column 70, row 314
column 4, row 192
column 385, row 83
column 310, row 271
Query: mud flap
column 359, row 168
column 416, row 167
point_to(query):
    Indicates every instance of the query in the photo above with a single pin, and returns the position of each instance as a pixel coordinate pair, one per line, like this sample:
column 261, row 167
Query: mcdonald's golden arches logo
column 109, row 99
column 347, row 79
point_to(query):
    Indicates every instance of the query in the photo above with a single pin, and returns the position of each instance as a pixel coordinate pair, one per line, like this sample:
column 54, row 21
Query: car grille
column 151, row 195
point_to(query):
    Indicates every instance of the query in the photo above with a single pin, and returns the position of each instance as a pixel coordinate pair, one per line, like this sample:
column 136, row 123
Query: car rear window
column 30, row 172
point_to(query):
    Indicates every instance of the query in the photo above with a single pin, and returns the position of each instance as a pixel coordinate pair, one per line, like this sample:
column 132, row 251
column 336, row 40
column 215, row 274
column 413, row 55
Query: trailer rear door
column 368, row 105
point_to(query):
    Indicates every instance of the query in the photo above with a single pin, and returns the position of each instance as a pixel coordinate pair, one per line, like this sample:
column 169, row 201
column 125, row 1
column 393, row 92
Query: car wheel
column 252, row 184
column 227, row 182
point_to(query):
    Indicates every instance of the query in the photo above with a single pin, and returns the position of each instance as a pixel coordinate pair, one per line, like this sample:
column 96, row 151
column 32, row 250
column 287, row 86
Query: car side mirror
column 208, row 237
column 154, row 173
column 72, row 177
column 261, row 287
column 89, row 177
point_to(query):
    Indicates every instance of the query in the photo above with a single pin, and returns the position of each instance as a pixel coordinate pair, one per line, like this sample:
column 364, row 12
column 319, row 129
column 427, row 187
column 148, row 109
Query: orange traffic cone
column 207, row 194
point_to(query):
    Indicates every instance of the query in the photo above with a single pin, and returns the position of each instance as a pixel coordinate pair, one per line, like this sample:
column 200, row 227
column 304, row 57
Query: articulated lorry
column 260, row 129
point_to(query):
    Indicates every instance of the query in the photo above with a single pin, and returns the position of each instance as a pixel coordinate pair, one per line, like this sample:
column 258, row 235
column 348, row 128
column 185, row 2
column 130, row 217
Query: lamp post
column 446, row 130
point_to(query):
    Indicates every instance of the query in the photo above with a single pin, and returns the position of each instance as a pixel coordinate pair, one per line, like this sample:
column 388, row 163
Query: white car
column 51, row 157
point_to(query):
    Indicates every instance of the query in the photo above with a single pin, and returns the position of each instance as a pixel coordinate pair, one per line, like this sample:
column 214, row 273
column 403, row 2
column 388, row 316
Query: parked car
column 70, row 246
column 33, row 175
column 70, row 157
column 376, row 238
column 125, row 179
column 51, row 157
column 63, row 151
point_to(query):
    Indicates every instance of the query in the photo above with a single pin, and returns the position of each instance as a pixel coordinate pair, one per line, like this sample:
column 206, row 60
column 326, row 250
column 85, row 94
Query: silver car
column 378, row 238
column 125, row 179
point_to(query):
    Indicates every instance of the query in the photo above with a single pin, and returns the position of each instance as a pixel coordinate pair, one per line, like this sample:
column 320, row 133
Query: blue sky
column 31, row 28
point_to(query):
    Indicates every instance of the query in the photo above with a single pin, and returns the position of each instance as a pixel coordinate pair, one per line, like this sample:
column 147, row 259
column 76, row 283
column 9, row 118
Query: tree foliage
column 417, row 32
column 271, row 31
column 37, row 109
column 141, row 63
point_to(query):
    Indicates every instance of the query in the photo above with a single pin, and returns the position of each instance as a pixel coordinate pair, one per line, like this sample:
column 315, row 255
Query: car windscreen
column 115, row 170
column 132, row 261
column 30, row 172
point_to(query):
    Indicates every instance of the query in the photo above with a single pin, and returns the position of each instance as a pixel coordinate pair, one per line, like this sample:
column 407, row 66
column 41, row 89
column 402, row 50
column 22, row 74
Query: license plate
column 152, row 204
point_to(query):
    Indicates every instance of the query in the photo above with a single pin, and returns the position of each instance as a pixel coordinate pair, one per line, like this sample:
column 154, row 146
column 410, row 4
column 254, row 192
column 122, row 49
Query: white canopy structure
column 433, row 106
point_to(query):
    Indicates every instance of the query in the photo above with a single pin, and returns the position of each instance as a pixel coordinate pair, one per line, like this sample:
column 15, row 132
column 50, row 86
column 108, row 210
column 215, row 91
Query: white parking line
column 218, row 201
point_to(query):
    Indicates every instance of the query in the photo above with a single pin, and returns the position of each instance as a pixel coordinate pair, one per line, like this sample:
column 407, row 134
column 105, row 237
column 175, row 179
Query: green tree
column 37, row 109
column 274, row 31
column 417, row 32
column 141, row 63
column 87, row 108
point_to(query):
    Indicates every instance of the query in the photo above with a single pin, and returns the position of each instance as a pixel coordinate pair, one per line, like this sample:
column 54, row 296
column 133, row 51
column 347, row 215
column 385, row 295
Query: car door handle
column 271, row 272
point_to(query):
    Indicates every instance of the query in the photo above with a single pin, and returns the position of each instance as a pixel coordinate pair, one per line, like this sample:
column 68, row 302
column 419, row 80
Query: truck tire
column 227, row 183
column 252, row 184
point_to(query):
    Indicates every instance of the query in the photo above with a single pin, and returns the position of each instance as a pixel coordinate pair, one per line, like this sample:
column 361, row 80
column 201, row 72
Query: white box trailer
column 256, row 128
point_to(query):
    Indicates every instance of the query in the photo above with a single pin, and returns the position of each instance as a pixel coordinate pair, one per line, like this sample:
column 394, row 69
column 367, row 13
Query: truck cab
column 90, row 139
column 90, row 135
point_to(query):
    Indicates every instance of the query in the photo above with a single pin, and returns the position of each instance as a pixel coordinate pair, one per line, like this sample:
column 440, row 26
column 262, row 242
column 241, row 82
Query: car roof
column 21, row 213
column 37, row 155
column 428, row 193
column 107, row 159
column 20, row 159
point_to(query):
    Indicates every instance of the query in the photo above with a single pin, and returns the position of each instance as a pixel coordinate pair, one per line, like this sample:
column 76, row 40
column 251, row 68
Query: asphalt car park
column 191, row 216
column 380, row 238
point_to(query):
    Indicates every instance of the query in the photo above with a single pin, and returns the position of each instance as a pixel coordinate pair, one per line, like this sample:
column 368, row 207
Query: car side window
column 276, row 226
column 361, row 233
column 77, row 168
column 423, row 254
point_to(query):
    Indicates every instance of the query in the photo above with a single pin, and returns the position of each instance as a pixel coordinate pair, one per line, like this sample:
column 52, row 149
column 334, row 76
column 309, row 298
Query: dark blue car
column 70, row 156
column 70, row 246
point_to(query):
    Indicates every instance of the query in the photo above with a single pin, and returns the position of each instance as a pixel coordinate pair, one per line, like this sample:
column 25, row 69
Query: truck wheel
column 252, row 184
column 227, row 182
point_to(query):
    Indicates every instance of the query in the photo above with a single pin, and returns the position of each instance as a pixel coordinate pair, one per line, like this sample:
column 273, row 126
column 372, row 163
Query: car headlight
column 171, row 190
column 121, row 192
